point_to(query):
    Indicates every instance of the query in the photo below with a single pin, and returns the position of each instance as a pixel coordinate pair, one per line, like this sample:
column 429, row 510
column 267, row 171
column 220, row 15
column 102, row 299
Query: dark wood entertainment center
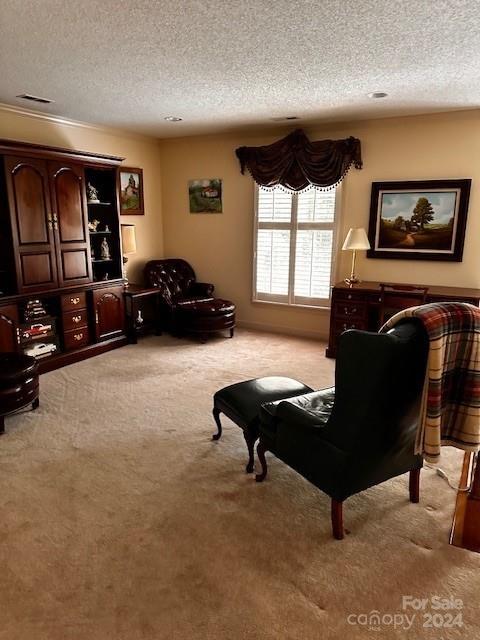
column 49, row 252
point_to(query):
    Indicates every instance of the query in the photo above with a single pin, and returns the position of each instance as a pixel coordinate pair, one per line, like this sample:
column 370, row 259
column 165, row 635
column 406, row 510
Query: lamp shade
column 356, row 239
column 129, row 241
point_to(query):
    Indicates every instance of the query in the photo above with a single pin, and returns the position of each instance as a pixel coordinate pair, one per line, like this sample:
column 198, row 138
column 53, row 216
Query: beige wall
column 220, row 246
column 138, row 152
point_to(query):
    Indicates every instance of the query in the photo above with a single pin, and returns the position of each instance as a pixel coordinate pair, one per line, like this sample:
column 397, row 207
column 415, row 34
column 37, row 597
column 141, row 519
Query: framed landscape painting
column 418, row 220
column 131, row 191
column 205, row 195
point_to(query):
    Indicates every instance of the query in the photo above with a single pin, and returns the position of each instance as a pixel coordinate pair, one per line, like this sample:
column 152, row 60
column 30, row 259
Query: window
column 294, row 241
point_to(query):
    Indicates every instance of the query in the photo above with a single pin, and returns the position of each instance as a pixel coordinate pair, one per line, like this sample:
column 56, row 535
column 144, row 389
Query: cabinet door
column 8, row 328
column 32, row 223
column 109, row 310
column 70, row 222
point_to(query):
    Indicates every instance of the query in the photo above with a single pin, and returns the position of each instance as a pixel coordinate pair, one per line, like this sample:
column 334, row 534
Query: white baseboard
column 290, row 331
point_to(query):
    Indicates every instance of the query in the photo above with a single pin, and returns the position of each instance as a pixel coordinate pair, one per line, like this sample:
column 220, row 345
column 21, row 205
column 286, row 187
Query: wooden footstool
column 241, row 403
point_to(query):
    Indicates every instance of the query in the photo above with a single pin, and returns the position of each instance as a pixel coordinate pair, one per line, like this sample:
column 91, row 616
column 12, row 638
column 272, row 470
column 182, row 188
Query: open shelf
column 105, row 213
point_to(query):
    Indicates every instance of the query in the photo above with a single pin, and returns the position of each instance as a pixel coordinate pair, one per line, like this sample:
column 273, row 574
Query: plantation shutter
column 313, row 256
column 273, row 243
column 294, row 237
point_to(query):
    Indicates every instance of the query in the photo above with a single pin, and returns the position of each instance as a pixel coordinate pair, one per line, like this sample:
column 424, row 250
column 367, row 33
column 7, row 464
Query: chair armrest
column 201, row 289
column 304, row 426
column 309, row 411
column 300, row 418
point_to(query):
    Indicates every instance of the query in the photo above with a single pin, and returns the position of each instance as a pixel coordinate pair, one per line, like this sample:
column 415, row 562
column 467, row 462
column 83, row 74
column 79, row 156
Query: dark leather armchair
column 177, row 283
column 362, row 431
column 188, row 305
column 176, row 280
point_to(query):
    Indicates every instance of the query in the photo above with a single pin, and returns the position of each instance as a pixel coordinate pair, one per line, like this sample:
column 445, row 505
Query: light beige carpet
column 122, row 520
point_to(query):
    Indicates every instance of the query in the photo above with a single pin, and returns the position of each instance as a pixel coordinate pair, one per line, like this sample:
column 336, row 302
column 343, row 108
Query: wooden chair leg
column 35, row 404
column 2, row 425
column 250, row 440
column 414, row 485
column 260, row 477
column 216, row 417
column 232, row 331
column 337, row 519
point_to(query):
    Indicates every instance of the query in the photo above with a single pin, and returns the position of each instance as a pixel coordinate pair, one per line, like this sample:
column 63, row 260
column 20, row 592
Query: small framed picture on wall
column 131, row 191
column 205, row 195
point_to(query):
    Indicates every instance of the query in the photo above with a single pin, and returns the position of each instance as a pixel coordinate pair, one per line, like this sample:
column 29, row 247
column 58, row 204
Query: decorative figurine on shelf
column 92, row 253
column 105, row 277
column 92, row 226
column 139, row 318
column 104, row 250
column 92, row 194
column 107, row 229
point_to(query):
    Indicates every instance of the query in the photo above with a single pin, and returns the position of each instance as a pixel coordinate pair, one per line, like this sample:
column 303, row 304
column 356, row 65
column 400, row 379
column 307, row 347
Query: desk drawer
column 75, row 319
column 339, row 326
column 76, row 338
column 349, row 309
column 74, row 301
column 348, row 294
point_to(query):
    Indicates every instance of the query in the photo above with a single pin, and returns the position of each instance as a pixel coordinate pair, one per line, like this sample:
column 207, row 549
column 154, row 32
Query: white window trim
column 290, row 300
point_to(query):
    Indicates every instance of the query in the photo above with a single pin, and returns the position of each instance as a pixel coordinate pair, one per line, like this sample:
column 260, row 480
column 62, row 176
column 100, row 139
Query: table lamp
column 129, row 245
column 356, row 239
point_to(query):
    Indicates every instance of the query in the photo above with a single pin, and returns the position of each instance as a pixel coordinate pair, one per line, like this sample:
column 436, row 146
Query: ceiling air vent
column 28, row 96
column 283, row 118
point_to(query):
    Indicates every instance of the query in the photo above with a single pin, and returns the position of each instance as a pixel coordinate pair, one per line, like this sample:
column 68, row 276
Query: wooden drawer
column 74, row 301
column 339, row 326
column 349, row 309
column 76, row 338
column 75, row 319
column 346, row 294
column 373, row 299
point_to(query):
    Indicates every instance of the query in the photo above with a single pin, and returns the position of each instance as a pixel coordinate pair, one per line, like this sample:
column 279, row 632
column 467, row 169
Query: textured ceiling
column 223, row 64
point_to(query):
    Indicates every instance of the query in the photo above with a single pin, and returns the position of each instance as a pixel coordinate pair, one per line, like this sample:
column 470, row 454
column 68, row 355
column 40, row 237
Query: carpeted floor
column 122, row 520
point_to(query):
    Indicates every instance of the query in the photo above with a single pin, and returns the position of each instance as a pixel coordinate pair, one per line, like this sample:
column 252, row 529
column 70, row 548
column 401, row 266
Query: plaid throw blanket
column 450, row 413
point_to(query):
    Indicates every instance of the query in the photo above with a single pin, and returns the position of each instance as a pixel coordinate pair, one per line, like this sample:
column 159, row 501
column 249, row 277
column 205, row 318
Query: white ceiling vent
column 283, row 118
column 28, row 96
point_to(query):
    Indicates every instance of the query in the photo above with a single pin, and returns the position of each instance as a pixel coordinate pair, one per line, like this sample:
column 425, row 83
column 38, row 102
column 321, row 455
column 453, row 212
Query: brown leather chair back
column 173, row 276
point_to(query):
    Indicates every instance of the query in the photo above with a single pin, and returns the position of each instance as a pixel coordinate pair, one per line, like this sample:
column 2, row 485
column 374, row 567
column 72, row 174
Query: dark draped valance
column 296, row 163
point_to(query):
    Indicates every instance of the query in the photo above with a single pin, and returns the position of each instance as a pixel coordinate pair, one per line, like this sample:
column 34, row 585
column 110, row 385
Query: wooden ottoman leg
column 216, row 416
column 35, row 404
column 250, row 440
column 260, row 477
column 414, row 485
column 337, row 519
column 2, row 425
column 232, row 331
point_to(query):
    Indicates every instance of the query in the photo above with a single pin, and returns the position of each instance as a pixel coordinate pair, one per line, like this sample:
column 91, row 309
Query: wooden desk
column 358, row 306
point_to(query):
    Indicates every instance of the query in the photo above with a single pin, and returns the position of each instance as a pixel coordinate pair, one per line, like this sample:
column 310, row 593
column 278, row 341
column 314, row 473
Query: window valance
column 296, row 164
